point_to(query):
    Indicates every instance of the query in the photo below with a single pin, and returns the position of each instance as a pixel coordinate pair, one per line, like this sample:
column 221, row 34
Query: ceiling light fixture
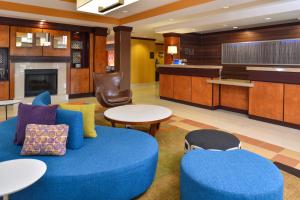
column 235, row 27
column 226, row 7
column 171, row 20
column 125, row 11
column 101, row 6
column 225, row 25
column 268, row 18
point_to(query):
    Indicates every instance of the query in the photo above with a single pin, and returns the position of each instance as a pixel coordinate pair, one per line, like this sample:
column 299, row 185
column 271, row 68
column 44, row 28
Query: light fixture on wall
column 101, row 6
column 172, row 50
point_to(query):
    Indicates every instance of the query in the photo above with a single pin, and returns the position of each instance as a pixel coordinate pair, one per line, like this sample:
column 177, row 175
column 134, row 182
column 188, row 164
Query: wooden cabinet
column 51, row 51
column 292, row 104
column 182, row 88
column 24, row 51
column 202, row 91
column 4, row 36
column 166, row 86
column 80, row 81
column 4, row 90
column 235, row 97
column 266, row 100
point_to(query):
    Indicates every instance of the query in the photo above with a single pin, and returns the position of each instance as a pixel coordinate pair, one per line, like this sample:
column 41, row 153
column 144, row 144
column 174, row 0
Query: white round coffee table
column 8, row 103
column 16, row 175
column 138, row 114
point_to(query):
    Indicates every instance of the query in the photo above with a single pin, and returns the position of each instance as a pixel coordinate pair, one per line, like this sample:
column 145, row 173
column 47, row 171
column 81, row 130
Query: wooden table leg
column 158, row 126
column 6, row 112
column 153, row 129
column 113, row 124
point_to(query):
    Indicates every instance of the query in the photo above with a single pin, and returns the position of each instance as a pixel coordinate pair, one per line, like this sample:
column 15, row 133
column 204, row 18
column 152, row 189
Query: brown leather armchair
column 108, row 91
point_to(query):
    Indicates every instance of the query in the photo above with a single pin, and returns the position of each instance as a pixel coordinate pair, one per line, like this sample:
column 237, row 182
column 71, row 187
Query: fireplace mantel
column 40, row 59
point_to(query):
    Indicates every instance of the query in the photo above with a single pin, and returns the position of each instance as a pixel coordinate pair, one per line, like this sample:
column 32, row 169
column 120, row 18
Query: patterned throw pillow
column 45, row 140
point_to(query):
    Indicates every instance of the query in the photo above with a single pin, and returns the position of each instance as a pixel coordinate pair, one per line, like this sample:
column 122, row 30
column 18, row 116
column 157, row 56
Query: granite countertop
column 274, row 69
column 192, row 66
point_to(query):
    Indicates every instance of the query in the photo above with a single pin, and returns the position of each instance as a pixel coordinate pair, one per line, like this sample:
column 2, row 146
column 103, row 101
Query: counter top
column 192, row 66
column 274, row 69
column 241, row 83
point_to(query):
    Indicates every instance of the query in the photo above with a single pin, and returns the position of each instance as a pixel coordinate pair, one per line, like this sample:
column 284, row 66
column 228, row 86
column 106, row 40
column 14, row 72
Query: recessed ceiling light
column 235, row 27
column 226, row 7
column 225, row 25
column 125, row 11
column 43, row 20
column 268, row 18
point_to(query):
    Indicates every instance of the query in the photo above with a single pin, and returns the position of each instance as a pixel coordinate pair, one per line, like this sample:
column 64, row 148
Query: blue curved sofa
column 118, row 164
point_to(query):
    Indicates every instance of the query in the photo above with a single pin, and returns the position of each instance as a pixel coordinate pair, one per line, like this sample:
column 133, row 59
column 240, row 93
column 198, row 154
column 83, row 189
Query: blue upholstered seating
column 118, row 164
column 42, row 99
column 229, row 175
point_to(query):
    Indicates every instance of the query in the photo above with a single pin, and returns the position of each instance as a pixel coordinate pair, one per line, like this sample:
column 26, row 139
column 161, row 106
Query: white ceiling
column 208, row 17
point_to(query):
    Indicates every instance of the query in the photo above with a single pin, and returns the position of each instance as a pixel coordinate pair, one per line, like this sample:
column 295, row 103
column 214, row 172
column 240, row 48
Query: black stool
column 210, row 139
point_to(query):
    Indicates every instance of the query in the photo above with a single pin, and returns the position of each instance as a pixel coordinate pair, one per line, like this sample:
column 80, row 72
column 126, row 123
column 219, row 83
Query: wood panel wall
column 4, row 36
column 208, row 47
column 171, row 40
column 100, row 55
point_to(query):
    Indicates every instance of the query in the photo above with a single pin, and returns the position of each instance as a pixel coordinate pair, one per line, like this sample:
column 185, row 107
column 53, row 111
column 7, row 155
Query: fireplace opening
column 40, row 80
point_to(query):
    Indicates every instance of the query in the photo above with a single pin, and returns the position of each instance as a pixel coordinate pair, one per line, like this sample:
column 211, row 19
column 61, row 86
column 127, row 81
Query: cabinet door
column 80, row 81
column 182, row 88
column 202, row 91
column 292, row 104
column 166, row 85
column 235, row 97
column 266, row 100
column 4, row 90
column 4, row 36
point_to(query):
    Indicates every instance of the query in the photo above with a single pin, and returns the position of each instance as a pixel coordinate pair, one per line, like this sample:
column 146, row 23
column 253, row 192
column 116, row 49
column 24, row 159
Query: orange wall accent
column 25, row 8
column 178, row 5
column 171, row 41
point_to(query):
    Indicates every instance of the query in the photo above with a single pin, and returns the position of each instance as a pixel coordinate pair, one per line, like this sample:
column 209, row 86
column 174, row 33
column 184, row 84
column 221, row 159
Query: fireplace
column 39, row 80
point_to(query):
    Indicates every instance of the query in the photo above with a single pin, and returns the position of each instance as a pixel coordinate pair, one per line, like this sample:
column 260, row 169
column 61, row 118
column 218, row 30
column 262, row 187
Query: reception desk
column 271, row 94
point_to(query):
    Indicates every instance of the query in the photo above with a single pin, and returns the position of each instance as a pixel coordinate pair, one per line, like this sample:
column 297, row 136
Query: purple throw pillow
column 28, row 114
column 45, row 140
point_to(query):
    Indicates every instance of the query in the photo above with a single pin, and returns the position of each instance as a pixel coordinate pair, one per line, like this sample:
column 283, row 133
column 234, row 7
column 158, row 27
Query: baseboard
column 74, row 96
column 190, row 103
column 288, row 169
column 233, row 110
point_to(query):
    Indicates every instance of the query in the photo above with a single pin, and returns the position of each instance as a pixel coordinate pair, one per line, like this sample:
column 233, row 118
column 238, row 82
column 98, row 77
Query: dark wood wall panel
column 208, row 47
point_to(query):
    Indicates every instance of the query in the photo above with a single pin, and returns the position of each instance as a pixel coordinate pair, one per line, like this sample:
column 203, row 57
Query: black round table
column 209, row 139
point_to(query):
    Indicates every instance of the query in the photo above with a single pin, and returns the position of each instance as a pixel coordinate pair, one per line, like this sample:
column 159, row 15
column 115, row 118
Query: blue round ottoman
column 229, row 175
column 118, row 164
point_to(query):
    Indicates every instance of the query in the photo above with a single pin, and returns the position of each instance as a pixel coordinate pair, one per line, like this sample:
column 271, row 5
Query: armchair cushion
column 117, row 99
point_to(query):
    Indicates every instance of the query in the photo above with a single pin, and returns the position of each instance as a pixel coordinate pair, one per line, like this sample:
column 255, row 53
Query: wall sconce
column 172, row 50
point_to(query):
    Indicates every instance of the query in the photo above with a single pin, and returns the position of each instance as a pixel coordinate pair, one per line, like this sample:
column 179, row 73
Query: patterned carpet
column 171, row 144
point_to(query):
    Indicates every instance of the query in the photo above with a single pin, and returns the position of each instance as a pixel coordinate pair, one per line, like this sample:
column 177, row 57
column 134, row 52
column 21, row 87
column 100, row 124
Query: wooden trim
column 158, row 43
column 171, row 35
column 275, row 77
column 99, row 31
column 263, row 119
column 177, row 5
column 141, row 38
column 11, row 80
column 190, row 103
column 46, row 25
column 74, row 96
column 212, row 73
column 122, row 28
column 60, row 59
column 25, row 8
column 233, row 109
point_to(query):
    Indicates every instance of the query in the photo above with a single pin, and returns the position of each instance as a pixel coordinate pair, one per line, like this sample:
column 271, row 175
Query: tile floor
column 233, row 122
